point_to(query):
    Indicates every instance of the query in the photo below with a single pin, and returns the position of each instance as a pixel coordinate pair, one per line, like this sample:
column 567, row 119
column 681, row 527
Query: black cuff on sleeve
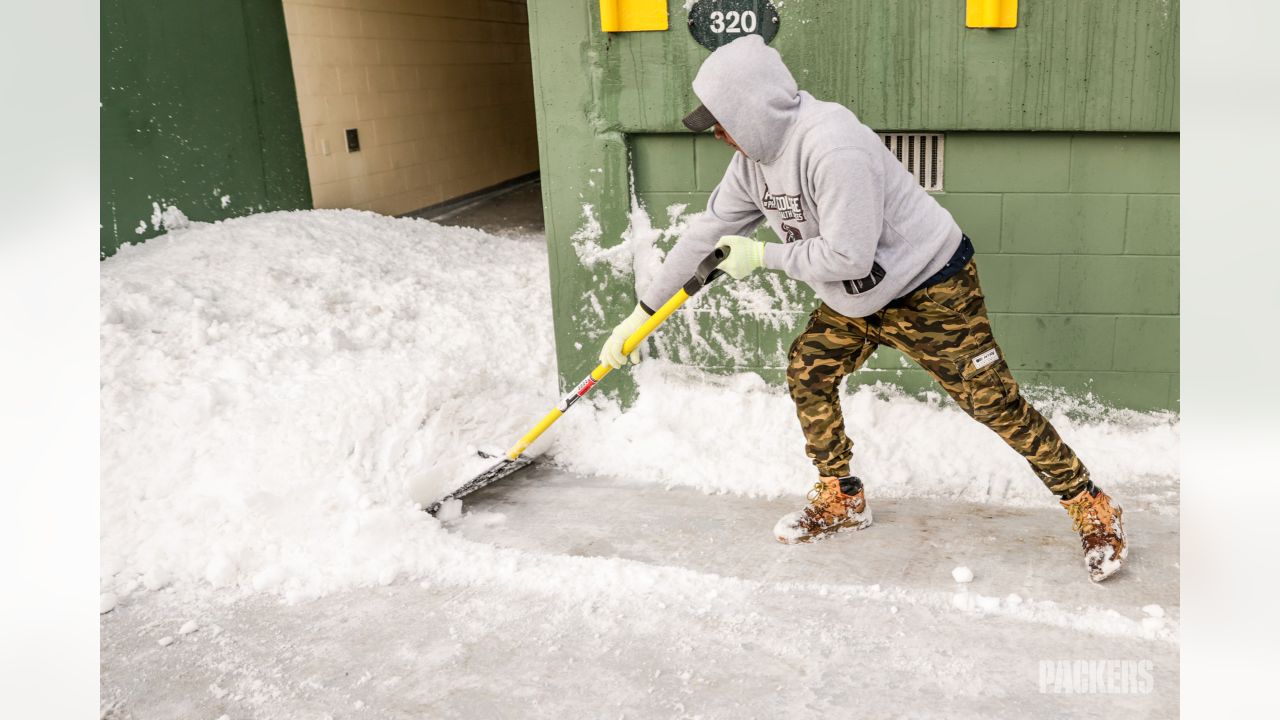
column 646, row 308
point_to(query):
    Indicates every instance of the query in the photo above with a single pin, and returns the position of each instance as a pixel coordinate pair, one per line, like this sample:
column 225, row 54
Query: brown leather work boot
column 835, row 504
column 1101, row 532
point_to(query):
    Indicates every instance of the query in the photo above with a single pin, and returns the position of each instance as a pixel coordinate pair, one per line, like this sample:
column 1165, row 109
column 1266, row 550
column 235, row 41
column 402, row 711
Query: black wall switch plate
column 353, row 140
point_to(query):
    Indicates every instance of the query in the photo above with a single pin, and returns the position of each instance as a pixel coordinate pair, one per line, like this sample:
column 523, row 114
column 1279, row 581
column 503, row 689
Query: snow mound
column 278, row 390
column 738, row 434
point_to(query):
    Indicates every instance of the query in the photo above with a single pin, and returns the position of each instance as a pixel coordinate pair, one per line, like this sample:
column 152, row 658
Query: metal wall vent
column 920, row 153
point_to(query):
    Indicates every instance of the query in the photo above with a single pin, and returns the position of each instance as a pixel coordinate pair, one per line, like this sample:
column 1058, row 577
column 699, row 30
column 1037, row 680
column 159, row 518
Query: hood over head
column 752, row 94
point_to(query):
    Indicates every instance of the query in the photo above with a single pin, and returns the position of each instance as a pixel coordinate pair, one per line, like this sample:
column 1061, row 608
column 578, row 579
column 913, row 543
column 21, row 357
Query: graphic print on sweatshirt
column 791, row 207
column 787, row 206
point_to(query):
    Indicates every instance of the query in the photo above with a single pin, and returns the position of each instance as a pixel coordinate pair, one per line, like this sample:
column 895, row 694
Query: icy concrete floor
column 515, row 212
column 864, row 625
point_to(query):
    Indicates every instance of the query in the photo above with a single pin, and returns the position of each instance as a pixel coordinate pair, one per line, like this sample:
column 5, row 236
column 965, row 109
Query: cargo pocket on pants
column 988, row 384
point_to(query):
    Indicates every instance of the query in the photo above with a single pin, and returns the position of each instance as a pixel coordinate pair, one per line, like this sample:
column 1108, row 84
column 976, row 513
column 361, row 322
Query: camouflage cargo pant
column 943, row 328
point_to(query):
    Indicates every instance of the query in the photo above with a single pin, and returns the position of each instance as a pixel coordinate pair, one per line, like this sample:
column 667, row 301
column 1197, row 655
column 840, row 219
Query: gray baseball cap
column 700, row 119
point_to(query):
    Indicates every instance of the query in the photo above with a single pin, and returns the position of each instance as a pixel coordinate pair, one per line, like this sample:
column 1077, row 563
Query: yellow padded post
column 991, row 13
column 633, row 15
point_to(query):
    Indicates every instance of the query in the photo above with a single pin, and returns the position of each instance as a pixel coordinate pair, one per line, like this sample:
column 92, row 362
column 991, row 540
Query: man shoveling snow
column 890, row 266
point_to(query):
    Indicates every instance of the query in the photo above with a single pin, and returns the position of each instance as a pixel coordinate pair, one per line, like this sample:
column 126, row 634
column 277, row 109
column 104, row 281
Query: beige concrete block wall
column 440, row 90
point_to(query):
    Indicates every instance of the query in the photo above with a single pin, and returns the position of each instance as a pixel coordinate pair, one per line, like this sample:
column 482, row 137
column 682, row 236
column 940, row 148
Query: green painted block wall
column 1061, row 162
column 1081, row 281
column 198, row 102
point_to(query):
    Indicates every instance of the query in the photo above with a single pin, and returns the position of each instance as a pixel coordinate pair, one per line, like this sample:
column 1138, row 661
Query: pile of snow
column 737, row 434
column 278, row 391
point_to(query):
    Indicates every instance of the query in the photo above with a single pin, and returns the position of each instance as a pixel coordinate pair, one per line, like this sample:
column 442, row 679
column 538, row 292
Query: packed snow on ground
column 280, row 391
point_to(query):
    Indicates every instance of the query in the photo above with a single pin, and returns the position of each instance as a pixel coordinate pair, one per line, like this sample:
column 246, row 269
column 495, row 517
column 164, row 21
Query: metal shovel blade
column 497, row 471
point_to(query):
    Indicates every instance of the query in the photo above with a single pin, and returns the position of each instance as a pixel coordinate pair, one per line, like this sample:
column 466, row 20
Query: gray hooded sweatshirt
column 858, row 227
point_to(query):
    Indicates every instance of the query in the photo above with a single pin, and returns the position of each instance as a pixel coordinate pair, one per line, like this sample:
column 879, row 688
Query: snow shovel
column 515, row 458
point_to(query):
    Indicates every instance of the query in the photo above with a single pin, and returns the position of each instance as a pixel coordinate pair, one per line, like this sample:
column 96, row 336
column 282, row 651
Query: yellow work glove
column 611, row 353
column 745, row 255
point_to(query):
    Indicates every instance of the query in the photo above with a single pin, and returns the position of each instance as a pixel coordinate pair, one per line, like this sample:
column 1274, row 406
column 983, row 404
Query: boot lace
column 818, row 501
column 816, row 493
column 1084, row 516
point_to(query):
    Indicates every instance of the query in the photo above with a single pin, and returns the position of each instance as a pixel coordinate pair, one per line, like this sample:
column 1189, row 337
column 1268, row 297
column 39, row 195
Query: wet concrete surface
column 731, row 624
column 516, row 212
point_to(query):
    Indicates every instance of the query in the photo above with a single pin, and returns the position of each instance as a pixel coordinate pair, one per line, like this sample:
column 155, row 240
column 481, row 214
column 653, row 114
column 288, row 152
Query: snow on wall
column 766, row 297
column 278, row 390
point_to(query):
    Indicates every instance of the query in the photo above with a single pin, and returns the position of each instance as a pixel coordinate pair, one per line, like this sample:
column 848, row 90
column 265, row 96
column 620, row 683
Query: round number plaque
column 717, row 22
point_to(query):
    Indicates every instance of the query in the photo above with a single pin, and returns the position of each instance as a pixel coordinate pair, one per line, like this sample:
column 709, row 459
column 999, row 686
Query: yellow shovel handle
column 584, row 387
column 705, row 274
